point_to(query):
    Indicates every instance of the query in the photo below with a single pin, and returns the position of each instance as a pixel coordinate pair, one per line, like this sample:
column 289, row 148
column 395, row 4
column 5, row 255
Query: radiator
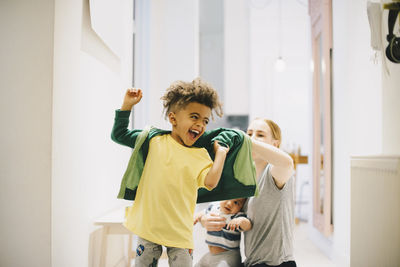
column 375, row 211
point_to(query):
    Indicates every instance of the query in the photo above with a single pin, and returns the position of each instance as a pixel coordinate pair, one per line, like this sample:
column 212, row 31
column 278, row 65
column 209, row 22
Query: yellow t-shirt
column 166, row 196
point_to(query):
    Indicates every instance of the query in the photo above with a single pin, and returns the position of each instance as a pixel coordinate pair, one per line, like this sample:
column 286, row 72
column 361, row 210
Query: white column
column 236, row 57
column 26, row 75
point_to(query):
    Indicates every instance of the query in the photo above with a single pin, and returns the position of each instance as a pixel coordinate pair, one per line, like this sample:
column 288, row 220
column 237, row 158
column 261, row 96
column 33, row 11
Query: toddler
column 224, row 245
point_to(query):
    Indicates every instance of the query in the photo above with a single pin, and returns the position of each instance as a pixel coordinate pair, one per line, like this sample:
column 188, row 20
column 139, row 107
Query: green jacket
column 238, row 177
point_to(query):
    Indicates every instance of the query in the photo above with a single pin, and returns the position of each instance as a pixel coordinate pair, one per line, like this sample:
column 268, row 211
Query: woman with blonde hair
column 270, row 241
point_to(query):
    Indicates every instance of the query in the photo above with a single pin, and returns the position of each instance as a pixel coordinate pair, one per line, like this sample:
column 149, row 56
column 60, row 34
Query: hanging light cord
column 280, row 28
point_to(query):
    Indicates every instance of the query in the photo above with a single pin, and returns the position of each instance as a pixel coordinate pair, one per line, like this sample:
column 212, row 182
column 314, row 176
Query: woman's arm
column 281, row 163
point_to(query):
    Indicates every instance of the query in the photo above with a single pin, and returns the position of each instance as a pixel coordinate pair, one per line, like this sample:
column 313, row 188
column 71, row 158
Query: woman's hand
column 131, row 98
column 213, row 222
column 197, row 217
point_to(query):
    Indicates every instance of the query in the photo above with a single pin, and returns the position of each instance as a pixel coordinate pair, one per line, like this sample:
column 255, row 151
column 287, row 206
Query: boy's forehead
column 194, row 107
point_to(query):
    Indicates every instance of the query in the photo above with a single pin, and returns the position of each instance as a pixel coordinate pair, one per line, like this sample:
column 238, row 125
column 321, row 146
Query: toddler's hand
column 132, row 97
column 234, row 224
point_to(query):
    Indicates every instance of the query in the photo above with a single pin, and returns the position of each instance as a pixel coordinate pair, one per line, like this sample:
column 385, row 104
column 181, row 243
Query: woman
column 270, row 241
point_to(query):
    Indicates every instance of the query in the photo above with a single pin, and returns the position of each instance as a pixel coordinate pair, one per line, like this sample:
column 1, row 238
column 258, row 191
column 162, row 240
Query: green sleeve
column 120, row 132
column 229, row 137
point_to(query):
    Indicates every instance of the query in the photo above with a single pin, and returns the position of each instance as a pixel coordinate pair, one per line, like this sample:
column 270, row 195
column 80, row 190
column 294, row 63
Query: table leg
column 130, row 252
column 103, row 253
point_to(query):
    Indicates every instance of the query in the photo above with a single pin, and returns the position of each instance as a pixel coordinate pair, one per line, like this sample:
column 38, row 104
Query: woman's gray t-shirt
column 270, row 240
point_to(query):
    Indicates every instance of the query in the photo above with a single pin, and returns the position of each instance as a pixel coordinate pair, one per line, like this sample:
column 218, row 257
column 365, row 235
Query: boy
column 224, row 244
column 162, row 214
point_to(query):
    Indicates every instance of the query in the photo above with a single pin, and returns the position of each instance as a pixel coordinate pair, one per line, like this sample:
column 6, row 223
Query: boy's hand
column 219, row 148
column 214, row 174
column 132, row 97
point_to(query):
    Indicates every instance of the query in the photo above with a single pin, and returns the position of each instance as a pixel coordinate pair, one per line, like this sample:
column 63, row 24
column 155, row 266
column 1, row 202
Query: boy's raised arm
column 131, row 98
column 120, row 132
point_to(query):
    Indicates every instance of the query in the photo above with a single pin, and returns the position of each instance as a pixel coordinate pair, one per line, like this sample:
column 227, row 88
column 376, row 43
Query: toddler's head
column 189, row 107
column 232, row 206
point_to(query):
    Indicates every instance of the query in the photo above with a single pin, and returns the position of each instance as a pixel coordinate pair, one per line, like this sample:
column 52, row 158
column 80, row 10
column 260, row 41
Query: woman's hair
column 181, row 93
column 275, row 130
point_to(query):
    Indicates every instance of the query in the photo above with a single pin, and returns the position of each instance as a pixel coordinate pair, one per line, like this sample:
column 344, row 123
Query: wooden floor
column 306, row 253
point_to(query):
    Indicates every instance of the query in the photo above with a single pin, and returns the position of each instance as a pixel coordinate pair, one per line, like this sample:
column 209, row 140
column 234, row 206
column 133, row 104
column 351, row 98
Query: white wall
column 171, row 48
column 391, row 109
column 357, row 111
column 390, row 101
column 25, row 115
column 89, row 84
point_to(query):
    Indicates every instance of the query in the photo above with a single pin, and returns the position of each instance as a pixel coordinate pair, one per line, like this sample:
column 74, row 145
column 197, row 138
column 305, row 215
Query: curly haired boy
column 162, row 214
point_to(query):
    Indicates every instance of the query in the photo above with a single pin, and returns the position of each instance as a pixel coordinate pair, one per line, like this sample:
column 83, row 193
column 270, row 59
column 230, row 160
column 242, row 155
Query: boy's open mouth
column 194, row 133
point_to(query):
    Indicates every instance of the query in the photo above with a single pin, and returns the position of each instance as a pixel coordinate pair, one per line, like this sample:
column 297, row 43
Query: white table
column 112, row 224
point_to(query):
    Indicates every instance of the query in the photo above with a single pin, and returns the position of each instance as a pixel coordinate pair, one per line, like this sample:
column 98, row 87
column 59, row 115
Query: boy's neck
column 178, row 139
